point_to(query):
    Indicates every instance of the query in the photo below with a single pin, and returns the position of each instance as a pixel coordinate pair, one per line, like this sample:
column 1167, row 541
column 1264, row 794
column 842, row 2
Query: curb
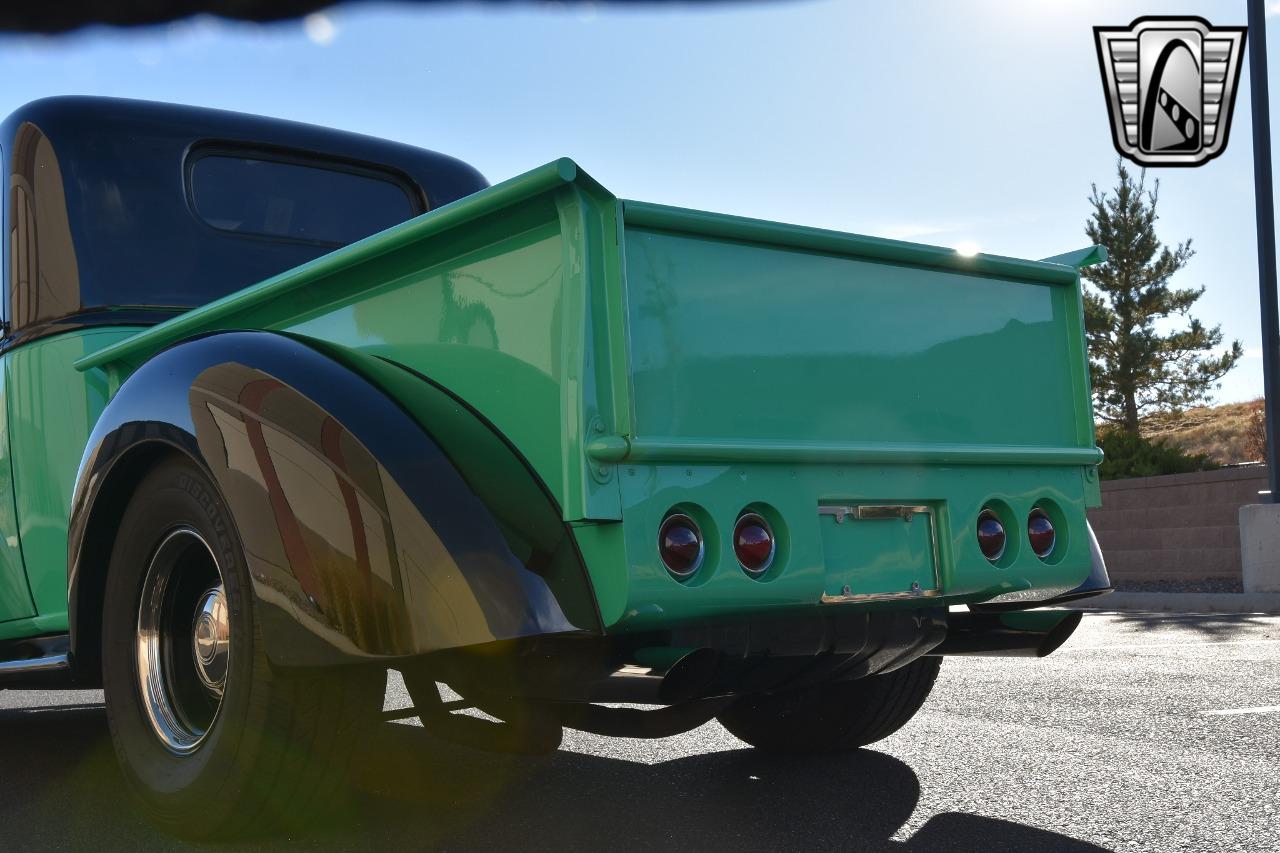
column 1185, row 602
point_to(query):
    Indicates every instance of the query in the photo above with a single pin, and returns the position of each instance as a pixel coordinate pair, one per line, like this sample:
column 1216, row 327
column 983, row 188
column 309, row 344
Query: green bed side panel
column 508, row 298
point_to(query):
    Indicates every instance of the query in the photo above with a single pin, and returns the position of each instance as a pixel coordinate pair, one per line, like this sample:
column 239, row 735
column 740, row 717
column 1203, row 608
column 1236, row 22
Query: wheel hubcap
column 183, row 645
column 211, row 640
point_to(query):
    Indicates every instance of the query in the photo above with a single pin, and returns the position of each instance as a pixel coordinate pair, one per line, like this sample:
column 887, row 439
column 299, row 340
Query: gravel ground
column 1143, row 733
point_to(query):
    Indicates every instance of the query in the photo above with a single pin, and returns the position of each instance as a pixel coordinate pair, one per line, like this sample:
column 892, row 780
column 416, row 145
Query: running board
column 38, row 656
column 52, row 663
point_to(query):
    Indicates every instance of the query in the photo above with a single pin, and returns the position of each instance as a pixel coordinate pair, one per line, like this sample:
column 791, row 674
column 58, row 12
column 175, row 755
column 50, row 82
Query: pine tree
column 1136, row 369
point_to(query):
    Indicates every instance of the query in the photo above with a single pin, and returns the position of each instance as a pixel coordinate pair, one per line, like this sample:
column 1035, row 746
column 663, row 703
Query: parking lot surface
column 1144, row 733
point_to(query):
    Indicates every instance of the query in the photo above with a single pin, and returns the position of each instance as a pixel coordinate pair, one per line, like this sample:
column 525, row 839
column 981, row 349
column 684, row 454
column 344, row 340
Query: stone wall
column 1180, row 527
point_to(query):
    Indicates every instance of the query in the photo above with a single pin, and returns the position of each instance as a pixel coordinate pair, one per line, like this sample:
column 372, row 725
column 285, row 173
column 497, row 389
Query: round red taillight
column 1040, row 533
column 753, row 543
column 991, row 535
column 680, row 545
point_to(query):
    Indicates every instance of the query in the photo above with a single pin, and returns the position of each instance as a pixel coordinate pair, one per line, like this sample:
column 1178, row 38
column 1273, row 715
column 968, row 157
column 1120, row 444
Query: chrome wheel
column 183, row 645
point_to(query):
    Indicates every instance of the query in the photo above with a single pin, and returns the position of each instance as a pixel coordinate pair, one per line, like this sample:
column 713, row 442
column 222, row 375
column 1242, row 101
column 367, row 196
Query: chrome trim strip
column 49, row 663
column 887, row 512
column 879, row 596
column 875, row 512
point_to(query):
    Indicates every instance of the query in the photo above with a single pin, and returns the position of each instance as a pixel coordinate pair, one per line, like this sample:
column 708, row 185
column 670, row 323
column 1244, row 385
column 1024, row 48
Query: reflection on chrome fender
column 362, row 538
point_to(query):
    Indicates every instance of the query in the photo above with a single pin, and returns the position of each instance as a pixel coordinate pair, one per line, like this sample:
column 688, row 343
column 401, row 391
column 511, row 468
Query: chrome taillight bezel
column 1038, row 513
column 756, row 519
column 683, row 519
column 989, row 514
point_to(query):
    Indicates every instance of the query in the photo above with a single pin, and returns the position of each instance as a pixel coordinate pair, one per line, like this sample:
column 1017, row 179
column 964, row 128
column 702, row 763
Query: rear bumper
column 715, row 658
column 744, row 656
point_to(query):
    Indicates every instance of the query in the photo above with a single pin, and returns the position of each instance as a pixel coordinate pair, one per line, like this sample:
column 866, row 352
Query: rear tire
column 211, row 740
column 833, row 717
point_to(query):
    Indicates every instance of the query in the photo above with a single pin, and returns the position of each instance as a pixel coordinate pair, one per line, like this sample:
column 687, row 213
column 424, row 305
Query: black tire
column 834, row 717
column 275, row 749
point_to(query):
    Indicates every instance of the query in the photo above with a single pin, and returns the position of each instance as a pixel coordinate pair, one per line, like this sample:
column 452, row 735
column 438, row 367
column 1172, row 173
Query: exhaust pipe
column 1030, row 633
column 659, row 675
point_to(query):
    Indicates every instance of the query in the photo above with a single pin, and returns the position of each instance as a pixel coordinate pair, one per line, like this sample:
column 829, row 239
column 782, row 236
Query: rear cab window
column 296, row 199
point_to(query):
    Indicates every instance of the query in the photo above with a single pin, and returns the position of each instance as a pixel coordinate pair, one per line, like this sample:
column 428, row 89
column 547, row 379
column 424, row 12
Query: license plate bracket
column 879, row 551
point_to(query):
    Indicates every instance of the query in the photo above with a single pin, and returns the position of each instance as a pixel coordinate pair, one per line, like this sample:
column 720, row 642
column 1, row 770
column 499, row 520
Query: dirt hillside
column 1227, row 434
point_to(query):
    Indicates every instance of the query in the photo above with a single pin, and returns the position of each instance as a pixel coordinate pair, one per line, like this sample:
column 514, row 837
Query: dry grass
column 1227, row 434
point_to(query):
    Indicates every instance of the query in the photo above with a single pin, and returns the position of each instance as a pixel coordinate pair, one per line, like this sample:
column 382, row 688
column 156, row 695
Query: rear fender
column 363, row 537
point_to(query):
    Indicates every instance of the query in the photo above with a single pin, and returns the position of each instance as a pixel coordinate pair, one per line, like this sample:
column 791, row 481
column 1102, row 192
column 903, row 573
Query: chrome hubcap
column 211, row 640
column 183, row 645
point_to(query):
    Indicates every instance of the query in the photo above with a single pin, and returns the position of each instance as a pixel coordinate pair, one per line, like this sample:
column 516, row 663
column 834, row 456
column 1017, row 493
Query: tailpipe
column 658, row 675
column 1031, row 633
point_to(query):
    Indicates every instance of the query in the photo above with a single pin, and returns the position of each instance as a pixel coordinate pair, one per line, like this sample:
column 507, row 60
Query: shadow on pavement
column 1207, row 625
column 63, row 791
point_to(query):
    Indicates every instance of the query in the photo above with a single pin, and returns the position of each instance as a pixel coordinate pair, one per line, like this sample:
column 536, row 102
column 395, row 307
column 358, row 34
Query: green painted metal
column 644, row 358
column 784, row 370
column 502, row 297
column 903, row 548
column 619, row 449
column 15, row 596
column 1080, row 258
column 808, row 564
column 51, row 410
column 643, row 215
column 35, row 626
column 286, row 293
column 733, row 339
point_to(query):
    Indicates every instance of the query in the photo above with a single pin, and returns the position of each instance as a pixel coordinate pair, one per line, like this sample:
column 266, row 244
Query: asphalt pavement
column 1146, row 732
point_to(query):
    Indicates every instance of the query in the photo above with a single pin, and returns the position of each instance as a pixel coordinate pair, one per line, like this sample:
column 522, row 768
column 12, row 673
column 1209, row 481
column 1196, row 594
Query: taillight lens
column 1040, row 533
column 991, row 535
column 753, row 543
column 680, row 545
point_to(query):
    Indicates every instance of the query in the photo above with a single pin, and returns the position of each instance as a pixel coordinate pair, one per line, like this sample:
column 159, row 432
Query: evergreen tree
column 1135, row 368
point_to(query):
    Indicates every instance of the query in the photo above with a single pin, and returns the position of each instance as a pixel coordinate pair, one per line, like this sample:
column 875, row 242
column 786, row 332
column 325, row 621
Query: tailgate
column 751, row 331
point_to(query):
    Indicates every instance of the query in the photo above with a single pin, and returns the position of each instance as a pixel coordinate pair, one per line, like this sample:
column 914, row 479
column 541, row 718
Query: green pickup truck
column 286, row 407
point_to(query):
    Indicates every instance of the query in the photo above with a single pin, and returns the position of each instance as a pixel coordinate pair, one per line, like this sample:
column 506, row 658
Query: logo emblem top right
column 1171, row 85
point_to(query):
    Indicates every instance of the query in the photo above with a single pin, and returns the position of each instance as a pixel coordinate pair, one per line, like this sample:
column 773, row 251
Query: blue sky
column 946, row 122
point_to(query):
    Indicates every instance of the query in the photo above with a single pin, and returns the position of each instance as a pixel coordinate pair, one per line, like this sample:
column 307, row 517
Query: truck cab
column 121, row 215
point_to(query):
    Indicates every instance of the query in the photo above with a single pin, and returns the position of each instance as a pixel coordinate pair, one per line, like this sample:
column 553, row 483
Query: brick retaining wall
column 1176, row 527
